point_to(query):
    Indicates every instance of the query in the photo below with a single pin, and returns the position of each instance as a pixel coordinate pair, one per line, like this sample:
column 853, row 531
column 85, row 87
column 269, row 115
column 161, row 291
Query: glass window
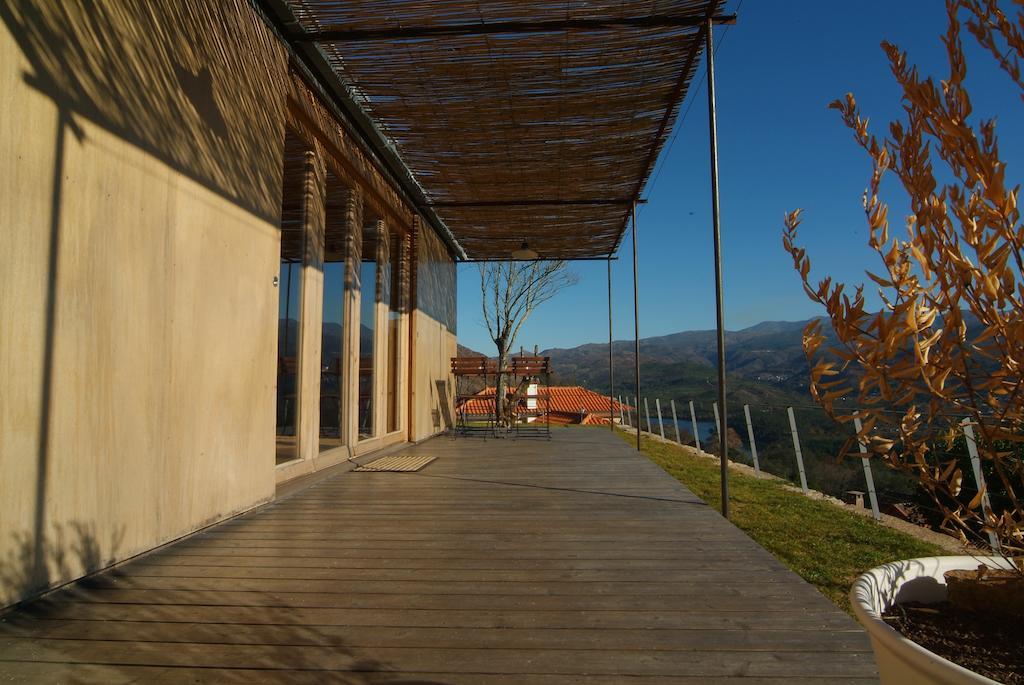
column 290, row 300
column 367, row 329
column 290, row 282
column 332, row 336
column 391, row 283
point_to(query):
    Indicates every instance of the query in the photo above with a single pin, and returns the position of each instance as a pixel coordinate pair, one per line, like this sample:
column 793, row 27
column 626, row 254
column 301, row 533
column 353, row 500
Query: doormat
column 397, row 462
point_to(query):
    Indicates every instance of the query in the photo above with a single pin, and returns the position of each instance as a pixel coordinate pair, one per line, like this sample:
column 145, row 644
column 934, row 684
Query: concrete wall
column 434, row 338
column 141, row 144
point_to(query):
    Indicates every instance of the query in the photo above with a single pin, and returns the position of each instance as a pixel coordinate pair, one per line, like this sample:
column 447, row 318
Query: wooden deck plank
column 438, row 659
column 751, row 619
column 695, row 600
column 373, row 585
column 159, row 675
column 673, row 640
column 501, row 562
column 460, row 575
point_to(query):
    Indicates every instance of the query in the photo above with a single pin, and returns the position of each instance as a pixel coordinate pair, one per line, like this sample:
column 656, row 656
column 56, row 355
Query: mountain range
column 765, row 363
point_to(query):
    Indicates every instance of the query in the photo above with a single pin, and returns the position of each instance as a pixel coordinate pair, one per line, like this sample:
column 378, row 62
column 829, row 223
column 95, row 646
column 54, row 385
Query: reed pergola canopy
column 520, row 121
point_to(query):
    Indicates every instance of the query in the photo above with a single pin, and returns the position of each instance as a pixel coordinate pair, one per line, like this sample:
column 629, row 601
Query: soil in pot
column 985, row 643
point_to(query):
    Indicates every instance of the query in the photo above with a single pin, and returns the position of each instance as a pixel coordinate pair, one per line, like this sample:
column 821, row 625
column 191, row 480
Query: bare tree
column 510, row 292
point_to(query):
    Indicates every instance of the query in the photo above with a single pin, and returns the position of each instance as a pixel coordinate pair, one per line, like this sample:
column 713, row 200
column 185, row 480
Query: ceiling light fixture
column 524, row 253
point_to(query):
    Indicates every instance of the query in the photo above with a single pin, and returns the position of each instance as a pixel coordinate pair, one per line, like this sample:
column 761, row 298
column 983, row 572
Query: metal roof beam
column 533, row 203
column 336, row 35
column 485, row 260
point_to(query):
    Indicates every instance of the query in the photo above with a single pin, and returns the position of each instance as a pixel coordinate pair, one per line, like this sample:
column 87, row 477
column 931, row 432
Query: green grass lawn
column 827, row 546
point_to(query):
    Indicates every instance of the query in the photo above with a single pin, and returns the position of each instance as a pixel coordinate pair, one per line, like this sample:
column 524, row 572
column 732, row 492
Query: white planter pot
column 901, row 661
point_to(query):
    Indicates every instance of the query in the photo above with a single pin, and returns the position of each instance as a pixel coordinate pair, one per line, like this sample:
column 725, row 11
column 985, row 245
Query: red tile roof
column 567, row 402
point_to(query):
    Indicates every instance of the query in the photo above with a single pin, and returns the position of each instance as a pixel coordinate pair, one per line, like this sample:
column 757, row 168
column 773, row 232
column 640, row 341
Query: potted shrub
column 946, row 349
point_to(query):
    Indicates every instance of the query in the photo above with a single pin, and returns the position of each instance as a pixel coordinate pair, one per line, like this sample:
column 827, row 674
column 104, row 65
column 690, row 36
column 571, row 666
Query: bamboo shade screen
column 546, row 136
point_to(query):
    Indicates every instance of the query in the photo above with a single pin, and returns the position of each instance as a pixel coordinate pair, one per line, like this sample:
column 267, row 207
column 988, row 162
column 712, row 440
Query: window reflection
column 289, row 299
column 391, row 283
column 367, row 329
column 288, row 360
column 332, row 340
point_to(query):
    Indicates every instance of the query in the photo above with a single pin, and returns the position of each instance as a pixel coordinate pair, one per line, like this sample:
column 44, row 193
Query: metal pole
column 796, row 449
column 636, row 329
column 661, row 425
column 979, row 479
column 675, row 421
column 693, row 422
column 750, row 435
column 647, row 415
column 720, row 311
column 870, row 479
column 611, row 368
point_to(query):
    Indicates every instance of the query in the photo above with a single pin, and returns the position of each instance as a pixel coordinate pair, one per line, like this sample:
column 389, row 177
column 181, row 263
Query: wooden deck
column 503, row 562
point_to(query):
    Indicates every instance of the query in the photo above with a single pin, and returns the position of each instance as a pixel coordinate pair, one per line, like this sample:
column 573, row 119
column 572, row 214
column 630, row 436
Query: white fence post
column 718, row 422
column 750, row 436
column 796, row 449
column 622, row 416
column 647, row 415
column 693, row 420
column 661, row 426
column 675, row 421
column 979, row 478
column 867, row 473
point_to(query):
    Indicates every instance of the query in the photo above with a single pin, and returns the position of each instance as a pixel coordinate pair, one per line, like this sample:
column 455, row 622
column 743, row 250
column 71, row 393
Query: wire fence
column 800, row 444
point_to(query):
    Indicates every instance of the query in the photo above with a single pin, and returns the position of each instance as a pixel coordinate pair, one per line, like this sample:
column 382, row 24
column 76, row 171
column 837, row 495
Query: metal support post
column 750, row 436
column 693, row 422
column 636, row 329
column 723, row 444
column 675, row 421
column 796, row 449
column 979, row 478
column 611, row 367
column 870, row 479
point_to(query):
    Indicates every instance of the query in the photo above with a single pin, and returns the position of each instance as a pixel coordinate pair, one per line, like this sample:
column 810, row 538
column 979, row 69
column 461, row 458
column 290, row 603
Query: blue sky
column 780, row 147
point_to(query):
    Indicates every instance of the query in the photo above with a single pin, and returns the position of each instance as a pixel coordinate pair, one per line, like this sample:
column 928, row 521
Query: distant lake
column 704, row 428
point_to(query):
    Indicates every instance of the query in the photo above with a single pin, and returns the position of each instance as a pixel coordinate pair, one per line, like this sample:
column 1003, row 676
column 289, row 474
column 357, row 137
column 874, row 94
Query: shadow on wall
column 34, row 562
column 435, row 300
column 196, row 85
column 445, row 409
column 436, row 283
column 188, row 82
